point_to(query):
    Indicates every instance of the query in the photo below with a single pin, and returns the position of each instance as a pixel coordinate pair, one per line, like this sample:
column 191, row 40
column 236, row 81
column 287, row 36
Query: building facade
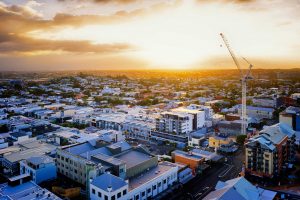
column 78, row 168
column 147, row 185
column 268, row 153
column 40, row 169
column 177, row 123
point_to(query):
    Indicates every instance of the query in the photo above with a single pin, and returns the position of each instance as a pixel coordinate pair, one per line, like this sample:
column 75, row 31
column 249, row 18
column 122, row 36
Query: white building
column 113, row 91
column 198, row 116
column 147, row 185
column 139, row 128
column 295, row 96
column 175, row 122
column 209, row 112
column 112, row 121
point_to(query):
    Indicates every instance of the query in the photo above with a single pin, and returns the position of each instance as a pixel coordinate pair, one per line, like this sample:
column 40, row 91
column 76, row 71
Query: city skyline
column 146, row 35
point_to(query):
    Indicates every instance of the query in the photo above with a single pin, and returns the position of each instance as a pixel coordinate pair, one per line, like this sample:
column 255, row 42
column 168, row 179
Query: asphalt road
column 200, row 186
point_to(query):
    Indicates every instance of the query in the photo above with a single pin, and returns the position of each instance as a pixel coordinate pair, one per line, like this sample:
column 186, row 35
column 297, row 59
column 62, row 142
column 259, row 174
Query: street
column 201, row 185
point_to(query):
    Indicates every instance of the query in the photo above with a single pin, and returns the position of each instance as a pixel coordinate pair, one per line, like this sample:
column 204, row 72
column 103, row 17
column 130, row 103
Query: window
column 119, row 195
column 154, row 187
column 113, row 197
column 165, row 181
column 124, row 192
column 75, row 170
column 99, row 194
column 143, row 194
column 105, row 197
column 159, row 184
column 93, row 191
column 62, row 158
column 137, row 197
column 148, row 190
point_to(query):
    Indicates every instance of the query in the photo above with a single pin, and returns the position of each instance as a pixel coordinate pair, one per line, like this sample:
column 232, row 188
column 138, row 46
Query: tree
column 240, row 139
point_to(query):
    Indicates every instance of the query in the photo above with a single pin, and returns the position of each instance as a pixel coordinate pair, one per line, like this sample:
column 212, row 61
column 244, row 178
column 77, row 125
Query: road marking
column 221, row 176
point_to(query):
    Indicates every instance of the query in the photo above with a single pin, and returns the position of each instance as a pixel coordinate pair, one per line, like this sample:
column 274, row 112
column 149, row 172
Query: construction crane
column 244, row 78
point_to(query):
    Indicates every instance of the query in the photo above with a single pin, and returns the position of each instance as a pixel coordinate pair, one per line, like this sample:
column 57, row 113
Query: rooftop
column 133, row 158
column 107, row 159
column 258, row 108
column 151, row 174
column 272, row 135
column 239, row 189
column 80, row 148
column 107, row 180
column 38, row 148
column 186, row 110
column 18, row 134
column 37, row 160
column 188, row 155
column 207, row 154
column 25, row 191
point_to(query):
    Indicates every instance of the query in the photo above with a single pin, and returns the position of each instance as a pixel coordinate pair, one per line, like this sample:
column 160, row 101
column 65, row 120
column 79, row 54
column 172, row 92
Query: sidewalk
column 167, row 192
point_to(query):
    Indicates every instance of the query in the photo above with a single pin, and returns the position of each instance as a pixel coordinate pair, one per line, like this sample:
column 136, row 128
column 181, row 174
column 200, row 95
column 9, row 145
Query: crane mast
column 244, row 78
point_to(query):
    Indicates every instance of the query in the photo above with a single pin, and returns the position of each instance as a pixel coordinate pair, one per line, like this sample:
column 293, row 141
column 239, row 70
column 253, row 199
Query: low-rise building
column 27, row 149
column 265, row 101
column 258, row 112
column 112, row 121
column 230, row 127
column 217, row 141
column 18, row 137
column 80, row 161
column 239, row 189
column 223, row 143
column 73, row 162
column 192, row 160
column 197, row 138
column 138, row 128
column 19, row 188
column 146, row 185
column 40, row 168
column 291, row 117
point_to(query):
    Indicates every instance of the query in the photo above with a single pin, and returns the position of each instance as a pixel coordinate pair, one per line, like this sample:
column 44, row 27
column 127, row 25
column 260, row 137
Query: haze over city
column 134, row 34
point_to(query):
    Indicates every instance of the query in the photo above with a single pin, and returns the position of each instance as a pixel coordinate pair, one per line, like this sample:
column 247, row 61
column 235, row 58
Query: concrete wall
column 133, row 171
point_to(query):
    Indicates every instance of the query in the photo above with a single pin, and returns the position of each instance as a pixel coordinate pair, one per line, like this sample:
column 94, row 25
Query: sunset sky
column 149, row 34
